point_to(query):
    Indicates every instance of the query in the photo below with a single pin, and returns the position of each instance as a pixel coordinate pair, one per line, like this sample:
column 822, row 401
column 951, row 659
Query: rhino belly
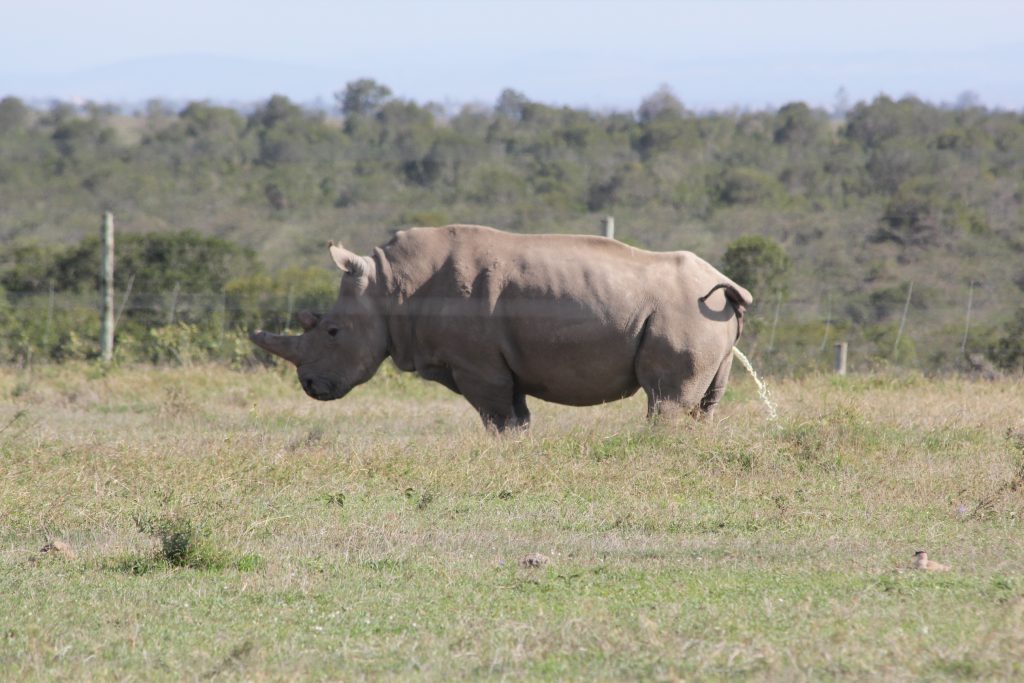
column 581, row 372
column 582, row 394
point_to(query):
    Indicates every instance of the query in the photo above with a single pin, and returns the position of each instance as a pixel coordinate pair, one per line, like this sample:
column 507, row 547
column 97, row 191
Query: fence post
column 223, row 313
column 107, row 320
column 174, row 303
column 49, row 320
column 609, row 227
column 840, row 364
column 967, row 319
column 291, row 301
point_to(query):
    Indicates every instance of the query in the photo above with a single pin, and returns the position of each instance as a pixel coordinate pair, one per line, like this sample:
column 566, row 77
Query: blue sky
column 601, row 54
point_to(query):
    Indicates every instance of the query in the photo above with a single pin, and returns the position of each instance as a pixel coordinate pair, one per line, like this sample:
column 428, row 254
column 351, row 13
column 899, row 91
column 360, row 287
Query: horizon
column 445, row 110
column 713, row 56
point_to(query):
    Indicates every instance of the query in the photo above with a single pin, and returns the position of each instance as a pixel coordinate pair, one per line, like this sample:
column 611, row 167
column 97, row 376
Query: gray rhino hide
column 497, row 317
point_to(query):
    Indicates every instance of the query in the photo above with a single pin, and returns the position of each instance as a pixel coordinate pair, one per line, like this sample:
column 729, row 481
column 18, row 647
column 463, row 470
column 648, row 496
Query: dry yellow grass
column 380, row 536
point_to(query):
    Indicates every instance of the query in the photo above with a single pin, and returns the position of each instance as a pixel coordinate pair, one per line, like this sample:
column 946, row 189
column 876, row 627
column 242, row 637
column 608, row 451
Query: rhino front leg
column 442, row 374
column 495, row 398
column 519, row 405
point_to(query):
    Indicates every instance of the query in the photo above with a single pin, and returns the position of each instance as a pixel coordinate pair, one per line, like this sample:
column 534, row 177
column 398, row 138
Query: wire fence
column 782, row 335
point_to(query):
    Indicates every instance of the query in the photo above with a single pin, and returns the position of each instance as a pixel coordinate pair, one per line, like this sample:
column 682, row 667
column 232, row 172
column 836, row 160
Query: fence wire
column 782, row 334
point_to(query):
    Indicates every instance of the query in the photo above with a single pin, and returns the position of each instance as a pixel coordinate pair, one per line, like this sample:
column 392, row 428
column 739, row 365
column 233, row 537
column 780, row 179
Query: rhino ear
column 361, row 268
column 308, row 320
column 346, row 260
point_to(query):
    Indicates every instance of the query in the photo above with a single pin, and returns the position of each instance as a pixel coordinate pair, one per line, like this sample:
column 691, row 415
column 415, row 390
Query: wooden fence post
column 840, row 365
column 609, row 227
column 49, row 319
column 967, row 319
column 107, row 320
column 291, row 302
column 223, row 313
column 174, row 303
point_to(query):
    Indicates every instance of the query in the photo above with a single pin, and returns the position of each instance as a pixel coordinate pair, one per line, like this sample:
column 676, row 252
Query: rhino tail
column 738, row 296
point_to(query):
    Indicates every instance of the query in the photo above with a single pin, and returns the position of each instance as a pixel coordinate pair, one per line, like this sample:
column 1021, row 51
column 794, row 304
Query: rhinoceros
column 497, row 316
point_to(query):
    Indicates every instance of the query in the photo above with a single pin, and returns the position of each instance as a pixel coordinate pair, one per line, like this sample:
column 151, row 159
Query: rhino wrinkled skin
column 497, row 317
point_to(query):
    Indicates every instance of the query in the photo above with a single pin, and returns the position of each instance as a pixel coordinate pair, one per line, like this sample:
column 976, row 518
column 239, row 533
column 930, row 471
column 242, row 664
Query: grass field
column 224, row 526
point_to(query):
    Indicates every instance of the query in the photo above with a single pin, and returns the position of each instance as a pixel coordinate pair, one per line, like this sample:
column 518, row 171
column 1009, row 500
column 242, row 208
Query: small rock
column 59, row 549
column 533, row 560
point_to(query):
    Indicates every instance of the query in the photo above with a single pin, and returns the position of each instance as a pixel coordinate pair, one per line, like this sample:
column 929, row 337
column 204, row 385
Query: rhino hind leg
column 706, row 409
column 679, row 384
column 519, row 405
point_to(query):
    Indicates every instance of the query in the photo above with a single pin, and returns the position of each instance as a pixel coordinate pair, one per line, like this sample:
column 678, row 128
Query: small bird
column 533, row 561
column 59, row 549
column 921, row 561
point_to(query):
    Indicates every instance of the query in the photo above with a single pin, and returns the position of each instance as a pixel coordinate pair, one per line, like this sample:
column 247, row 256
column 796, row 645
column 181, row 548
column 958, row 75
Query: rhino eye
column 333, row 331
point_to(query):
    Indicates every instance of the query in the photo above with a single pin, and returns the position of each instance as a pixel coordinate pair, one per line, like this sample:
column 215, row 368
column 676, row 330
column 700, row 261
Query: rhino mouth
column 323, row 390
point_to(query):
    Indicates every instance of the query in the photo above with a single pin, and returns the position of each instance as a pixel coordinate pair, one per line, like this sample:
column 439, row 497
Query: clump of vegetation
column 1007, row 347
column 184, row 542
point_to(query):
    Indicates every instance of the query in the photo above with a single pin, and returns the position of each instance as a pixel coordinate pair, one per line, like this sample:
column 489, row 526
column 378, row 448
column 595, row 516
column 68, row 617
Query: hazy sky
column 601, row 54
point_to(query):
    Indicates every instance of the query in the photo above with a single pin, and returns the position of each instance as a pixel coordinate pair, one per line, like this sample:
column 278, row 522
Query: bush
column 183, row 542
column 746, row 185
column 1007, row 351
column 758, row 263
column 913, row 215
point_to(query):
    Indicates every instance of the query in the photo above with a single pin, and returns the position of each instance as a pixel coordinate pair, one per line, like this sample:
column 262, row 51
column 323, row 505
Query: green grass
column 227, row 527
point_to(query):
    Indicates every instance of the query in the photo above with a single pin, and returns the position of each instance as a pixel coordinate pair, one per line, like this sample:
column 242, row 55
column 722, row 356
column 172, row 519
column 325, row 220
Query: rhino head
column 343, row 347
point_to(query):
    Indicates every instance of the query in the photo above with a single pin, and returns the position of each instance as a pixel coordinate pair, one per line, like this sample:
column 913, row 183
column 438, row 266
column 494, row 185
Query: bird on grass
column 921, row 561
column 57, row 548
column 533, row 561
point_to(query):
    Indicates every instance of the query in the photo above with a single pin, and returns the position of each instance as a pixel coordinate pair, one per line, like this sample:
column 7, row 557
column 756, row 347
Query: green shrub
column 1007, row 350
column 746, row 185
column 758, row 263
column 183, row 542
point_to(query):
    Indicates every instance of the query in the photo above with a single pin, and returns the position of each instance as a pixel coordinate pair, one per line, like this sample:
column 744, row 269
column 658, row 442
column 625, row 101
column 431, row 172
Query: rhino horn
column 285, row 346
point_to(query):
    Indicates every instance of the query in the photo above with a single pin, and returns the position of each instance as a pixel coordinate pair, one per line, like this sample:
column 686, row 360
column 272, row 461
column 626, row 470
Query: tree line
column 892, row 192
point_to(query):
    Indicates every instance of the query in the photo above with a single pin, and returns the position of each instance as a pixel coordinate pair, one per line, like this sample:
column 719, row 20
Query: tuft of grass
column 137, row 564
column 250, row 563
column 10, row 423
column 986, row 505
column 335, row 499
column 183, row 542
